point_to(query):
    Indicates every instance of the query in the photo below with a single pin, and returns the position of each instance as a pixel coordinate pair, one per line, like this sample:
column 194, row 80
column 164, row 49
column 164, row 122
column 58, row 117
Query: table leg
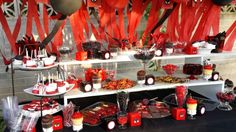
column 12, row 80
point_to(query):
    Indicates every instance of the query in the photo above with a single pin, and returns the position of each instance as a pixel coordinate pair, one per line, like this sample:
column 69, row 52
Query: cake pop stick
column 57, row 75
column 26, row 53
column 31, row 55
column 39, row 51
column 35, row 53
column 42, row 76
column 49, row 78
column 152, row 47
column 45, row 53
column 52, row 77
column 19, row 50
column 38, row 80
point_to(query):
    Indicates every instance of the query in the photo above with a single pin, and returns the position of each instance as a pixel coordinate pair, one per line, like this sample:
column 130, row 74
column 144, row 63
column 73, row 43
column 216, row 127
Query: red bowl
column 170, row 69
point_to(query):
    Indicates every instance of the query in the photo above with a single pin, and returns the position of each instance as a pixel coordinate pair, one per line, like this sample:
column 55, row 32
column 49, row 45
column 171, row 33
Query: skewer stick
column 19, row 51
column 31, row 56
column 26, row 53
column 49, row 78
column 35, row 53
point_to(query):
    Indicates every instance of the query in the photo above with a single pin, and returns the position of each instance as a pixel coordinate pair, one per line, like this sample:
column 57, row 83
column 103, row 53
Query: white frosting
column 30, row 63
column 48, row 61
column 114, row 54
column 62, row 89
column 51, row 87
column 169, row 50
column 66, row 84
column 17, row 62
column 53, row 57
column 141, row 82
column 97, row 86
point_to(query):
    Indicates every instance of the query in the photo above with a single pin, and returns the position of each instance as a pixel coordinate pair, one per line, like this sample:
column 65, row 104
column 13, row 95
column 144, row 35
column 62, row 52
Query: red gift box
column 179, row 113
column 57, row 123
column 134, row 119
column 94, row 3
column 81, row 55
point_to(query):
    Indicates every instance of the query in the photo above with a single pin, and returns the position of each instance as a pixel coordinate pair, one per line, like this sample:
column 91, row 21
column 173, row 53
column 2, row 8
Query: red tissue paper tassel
column 138, row 8
column 10, row 36
column 230, row 36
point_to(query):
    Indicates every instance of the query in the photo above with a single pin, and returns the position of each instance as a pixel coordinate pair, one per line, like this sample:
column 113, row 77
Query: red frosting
column 77, row 115
column 60, row 84
column 209, row 67
column 191, row 101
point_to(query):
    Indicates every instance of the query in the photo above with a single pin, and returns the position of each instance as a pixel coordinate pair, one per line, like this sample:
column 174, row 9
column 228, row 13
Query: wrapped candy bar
column 67, row 114
column 10, row 110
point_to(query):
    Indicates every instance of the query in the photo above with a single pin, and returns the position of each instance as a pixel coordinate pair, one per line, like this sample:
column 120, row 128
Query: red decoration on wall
column 230, row 35
column 94, row 3
column 196, row 21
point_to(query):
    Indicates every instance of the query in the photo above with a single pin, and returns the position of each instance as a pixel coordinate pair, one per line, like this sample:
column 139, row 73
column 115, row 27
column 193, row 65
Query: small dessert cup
column 122, row 120
column 97, row 83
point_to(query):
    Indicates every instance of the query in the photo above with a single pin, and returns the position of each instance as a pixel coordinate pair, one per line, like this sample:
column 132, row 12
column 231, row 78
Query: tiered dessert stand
column 201, row 86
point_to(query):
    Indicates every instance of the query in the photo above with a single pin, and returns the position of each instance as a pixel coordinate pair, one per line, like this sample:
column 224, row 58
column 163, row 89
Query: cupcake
column 97, row 82
column 141, row 76
column 77, row 120
column 191, row 106
column 207, row 71
column 51, row 88
column 31, row 63
column 47, row 123
column 61, row 86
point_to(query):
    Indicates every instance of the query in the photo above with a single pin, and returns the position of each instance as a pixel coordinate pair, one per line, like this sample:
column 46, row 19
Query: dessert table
column 215, row 121
column 212, row 121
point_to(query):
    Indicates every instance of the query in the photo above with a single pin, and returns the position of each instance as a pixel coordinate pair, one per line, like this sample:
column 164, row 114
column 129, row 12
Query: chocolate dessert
column 47, row 121
column 141, row 75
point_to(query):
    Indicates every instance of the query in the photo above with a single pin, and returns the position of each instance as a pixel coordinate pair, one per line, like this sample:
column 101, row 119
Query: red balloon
column 66, row 7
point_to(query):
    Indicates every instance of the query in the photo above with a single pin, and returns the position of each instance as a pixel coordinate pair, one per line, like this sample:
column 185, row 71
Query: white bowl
column 204, row 51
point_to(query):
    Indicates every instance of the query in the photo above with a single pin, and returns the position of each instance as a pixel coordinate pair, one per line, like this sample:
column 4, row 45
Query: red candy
column 170, row 69
column 225, row 97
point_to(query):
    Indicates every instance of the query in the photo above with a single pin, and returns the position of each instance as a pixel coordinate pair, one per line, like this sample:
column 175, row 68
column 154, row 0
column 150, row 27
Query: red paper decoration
column 197, row 19
column 117, row 3
column 94, row 3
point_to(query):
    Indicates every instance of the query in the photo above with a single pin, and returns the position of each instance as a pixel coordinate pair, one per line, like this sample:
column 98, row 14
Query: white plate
column 29, row 91
column 38, row 113
column 21, row 67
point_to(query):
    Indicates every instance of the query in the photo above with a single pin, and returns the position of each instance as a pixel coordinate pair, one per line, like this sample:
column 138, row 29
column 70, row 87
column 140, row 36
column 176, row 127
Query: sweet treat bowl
column 144, row 54
column 170, row 69
column 225, row 98
column 204, row 51
column 204, row 47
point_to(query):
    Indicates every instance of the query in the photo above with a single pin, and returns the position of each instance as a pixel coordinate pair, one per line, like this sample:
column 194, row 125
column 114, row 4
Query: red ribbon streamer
column 230, row 35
